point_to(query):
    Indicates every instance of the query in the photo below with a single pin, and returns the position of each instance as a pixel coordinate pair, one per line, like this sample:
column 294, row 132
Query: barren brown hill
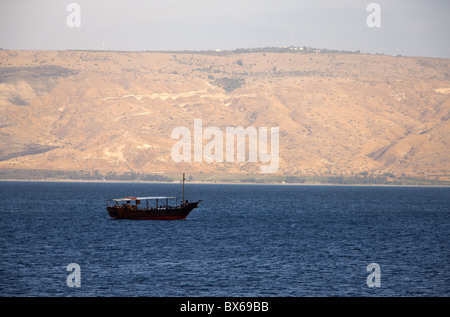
column 115, row 111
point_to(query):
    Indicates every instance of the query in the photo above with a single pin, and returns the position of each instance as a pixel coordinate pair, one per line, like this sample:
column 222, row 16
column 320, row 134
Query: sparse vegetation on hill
column 339, row 114
column 229, row 84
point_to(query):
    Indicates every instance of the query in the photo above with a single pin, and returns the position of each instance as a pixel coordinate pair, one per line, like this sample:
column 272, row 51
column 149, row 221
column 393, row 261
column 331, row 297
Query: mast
column 183, row 190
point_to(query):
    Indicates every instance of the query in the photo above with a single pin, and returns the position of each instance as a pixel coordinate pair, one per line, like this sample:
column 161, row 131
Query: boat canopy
column 143, row 198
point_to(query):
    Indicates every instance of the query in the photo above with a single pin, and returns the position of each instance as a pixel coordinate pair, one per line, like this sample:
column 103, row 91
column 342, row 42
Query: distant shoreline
column 218, row 183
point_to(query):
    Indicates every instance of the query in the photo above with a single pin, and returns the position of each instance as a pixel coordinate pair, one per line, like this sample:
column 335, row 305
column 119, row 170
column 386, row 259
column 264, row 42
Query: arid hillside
column 337, row 113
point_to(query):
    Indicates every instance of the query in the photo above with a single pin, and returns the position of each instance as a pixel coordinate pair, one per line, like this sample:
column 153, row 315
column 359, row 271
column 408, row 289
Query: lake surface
column 243, row 240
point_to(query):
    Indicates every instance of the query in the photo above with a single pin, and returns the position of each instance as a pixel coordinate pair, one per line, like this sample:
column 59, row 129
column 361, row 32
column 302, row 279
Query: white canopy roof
column 143, row 198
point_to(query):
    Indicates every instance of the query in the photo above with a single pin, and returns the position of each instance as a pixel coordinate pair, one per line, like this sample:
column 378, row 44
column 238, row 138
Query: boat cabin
column 144, row 203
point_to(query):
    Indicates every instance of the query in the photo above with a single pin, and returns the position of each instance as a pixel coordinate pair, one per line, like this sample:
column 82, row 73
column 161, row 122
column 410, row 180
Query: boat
column 150, row 208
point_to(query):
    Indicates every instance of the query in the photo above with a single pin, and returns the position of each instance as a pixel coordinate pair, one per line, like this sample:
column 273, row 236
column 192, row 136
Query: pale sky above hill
column 407, row 27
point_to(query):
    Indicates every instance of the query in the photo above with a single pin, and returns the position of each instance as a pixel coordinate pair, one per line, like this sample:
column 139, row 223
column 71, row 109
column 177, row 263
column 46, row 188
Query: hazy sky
column 408, row 27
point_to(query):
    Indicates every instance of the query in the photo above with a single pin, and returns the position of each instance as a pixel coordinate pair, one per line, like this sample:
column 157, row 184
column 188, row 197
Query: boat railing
column 142, row 208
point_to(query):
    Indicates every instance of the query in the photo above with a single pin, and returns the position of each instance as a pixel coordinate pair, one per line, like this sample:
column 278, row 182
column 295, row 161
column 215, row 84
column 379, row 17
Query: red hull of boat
column 177, row 213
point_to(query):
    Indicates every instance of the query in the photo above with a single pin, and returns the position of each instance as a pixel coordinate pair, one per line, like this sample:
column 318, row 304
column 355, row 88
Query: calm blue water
column 243, row 240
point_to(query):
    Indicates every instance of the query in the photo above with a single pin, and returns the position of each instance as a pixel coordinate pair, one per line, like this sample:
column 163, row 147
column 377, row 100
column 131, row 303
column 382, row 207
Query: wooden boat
column 150, row 208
